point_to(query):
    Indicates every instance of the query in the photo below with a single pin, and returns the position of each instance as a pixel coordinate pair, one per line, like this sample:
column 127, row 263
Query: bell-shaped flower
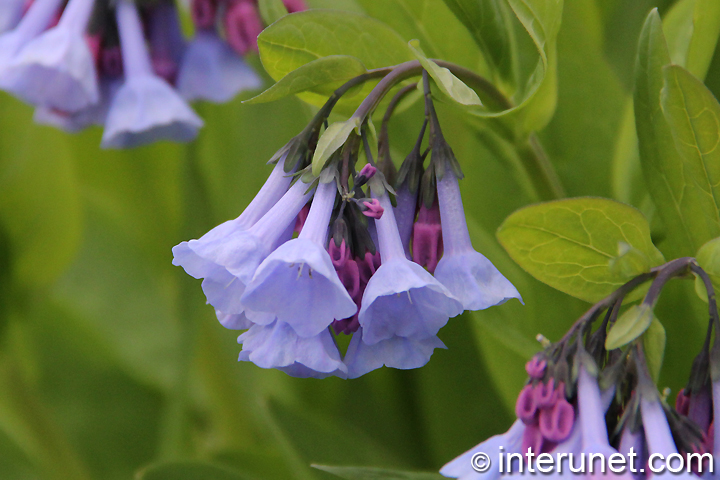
column 38, row 18
column 297, row 282
column 658, row 436
column 73, row 122
column 145, row 108
column 466, row 273
column 402, row 298
column 233, row 321
column 427, row 237
column 278, row 346
column 212, row 71
column 57, row 68
column 270, row 213
column 10, row 14
column 508, row 442
column 395, row 352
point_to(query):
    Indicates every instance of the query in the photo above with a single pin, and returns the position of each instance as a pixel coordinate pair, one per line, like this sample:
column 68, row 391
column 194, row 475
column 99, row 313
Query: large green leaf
column 666, row 177
column 321, row 76
column 692, row 28
column 300, row 38
column 693, row 115
column 490, row 26
column 369, row 473
column 569, row 244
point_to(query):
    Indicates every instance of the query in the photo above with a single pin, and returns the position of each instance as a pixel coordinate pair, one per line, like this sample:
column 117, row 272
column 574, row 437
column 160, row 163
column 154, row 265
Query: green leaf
column 654, row 346
column 489, row 23
column 630, row 261
column 322, row 76
column 370, row 473
column 630, row 326
column 271, row 10
column 188, row 471
column 693, row 115
column 449, row 84
column 708, row 257
column 302, row 37
column 568, row 244
column 667, row 180
column 692, row 28
column 331, row 139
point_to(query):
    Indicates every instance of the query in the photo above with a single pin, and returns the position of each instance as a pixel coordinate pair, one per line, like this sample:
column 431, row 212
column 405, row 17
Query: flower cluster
column 125, row 66
column 581, row 399
column 352, row 269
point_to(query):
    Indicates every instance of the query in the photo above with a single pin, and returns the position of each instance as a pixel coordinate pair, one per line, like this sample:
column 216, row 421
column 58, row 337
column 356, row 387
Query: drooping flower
column 395, row 352
column 297, row 282
column 402, row 298
column 470, row 276
column 39, row 17
column 10, row 14
column 212, row 71
column 198, row 257
column 145, row 108
column 278, row 346
column 56, row 69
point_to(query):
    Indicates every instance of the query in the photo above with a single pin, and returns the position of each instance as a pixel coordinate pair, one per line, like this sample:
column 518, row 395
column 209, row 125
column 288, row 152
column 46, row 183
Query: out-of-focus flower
column 69, row 59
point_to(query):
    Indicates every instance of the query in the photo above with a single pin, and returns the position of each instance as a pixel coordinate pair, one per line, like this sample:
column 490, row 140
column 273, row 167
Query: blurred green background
column 110, row 360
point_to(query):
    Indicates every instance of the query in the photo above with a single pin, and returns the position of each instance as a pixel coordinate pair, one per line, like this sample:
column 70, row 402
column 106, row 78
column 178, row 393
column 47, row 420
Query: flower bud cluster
column 349, row 271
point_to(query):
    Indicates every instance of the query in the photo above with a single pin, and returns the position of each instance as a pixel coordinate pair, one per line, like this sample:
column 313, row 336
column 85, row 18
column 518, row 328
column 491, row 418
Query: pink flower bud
column 374, row 210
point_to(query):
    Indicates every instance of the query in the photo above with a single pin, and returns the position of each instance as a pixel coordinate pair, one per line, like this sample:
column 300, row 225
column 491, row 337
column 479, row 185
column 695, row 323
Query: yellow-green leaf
column 654, row 346
column 449, row 84
column 630, row 326
column 320, row 76
column 708, row 257
column 331, row 139
column 568, row 244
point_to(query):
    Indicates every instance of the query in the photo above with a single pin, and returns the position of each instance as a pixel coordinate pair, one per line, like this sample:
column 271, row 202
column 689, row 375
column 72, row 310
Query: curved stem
column 672, row 269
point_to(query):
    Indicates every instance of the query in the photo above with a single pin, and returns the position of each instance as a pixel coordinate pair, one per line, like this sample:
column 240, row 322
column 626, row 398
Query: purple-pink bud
column 532, row 439
column 295, row 5
column 536, row 367
column 203, row 13
column 556, row 423
column 374, row 210
column 427, row 244
column 367, row 171
column 525, row 407
column 682, row 403
column 545, row 394
column 242, row 26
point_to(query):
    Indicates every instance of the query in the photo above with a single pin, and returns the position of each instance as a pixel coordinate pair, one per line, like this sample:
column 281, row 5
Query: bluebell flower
column 10, row 14
column 73, row 122
column 658, row 436
column 468, row 275
column 297, row 282
column 395, row 352
column 145, row 108
column 402, row 298
column 278, row 346
column 212, row 71
column 233, row 321
column 37, row 19
column 227, row 256
column 56, row 69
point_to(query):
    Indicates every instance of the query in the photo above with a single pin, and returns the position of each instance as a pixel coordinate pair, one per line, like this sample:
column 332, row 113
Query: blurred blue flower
column 468, row 275
column 279, row 346
column 145, row 108
column 402, row 298
column 56, row 69
column 212, row 71
column 38, row 17
column 10, row 14
column 298, row 282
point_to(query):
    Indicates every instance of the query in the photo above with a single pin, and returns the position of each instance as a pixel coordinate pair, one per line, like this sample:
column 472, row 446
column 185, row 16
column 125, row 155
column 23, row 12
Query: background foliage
column 109, row 359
